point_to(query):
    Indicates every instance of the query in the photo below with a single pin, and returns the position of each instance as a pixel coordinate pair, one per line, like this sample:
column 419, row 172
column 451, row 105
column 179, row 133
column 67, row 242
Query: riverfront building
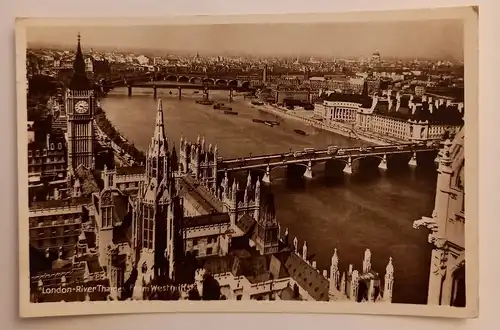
column 394, row 115
column 447, row 227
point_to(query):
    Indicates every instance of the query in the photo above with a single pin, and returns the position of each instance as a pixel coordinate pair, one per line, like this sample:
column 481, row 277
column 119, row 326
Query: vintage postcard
column 293, row 163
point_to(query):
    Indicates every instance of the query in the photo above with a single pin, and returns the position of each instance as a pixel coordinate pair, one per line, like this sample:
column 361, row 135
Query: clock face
column 81, row 107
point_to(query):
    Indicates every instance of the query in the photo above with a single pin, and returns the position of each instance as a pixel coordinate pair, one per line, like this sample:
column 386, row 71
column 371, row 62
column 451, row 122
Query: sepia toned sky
column 417, row 39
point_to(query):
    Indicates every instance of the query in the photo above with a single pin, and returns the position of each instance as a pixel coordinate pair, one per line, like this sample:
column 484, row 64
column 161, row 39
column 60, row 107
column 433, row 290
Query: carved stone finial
column 389, row 270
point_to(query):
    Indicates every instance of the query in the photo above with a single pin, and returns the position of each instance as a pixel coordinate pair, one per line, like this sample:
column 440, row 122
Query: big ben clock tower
column 80, row 105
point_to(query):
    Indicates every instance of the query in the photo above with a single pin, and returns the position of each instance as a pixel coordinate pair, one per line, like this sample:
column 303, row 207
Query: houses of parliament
column 172, row 228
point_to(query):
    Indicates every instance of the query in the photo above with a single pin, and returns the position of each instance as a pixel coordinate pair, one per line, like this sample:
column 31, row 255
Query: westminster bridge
column 349, row 158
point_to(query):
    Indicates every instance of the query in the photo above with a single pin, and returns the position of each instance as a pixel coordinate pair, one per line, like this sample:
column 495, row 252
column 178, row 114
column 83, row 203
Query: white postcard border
column 469, row 15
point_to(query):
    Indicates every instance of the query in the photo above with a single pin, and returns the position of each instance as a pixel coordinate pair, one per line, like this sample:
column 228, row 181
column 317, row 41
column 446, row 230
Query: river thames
column 375, row 211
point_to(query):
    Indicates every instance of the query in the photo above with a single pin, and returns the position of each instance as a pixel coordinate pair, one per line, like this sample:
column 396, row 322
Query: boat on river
column 229, row 112
column 205, row 102
column 270, row 123
column 300, row 132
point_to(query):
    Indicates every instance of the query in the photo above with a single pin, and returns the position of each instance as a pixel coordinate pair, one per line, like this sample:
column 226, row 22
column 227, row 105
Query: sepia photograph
column 294, row 163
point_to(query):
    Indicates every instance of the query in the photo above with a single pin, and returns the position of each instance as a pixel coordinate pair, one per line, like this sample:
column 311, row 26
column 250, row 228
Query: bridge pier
column 308, row 174
column 154, row 92
column 413, row 160
column 348, row 167
column 267, row 175
column 383, row 163
column 129, row 90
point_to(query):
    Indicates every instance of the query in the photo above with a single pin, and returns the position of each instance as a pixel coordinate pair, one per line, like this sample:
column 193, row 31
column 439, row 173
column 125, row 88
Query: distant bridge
column 207, row 79
column 309, row 157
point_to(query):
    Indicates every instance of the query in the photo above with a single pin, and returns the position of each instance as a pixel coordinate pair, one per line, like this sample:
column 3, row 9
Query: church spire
column 79, row 81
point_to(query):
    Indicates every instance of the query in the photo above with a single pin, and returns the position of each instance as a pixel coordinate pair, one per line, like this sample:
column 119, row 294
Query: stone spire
column 225, row 185
column 159, row 145
column 388, row 281
column 335, row 259
column 158, row 164
column 248, row 188
column 367, row 266
column 334, row 271
column 79, row 80
column 234, row 190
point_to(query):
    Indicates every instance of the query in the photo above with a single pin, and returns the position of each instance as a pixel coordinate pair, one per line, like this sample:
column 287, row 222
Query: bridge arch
column 262, row 170
column 221, row 82
column 245, row 84
column 360, row 158
column 208, row 81
column 233, row 83
column 196, row 80
column 183, row 79
column 171, row 78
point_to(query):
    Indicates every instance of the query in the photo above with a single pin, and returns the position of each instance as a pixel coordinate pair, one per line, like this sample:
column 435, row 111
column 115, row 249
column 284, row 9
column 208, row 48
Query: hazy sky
column 427, row 39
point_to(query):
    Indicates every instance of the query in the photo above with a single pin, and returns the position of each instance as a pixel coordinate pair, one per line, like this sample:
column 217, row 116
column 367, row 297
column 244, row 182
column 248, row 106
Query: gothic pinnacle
column 389, row 270
column 335, row 257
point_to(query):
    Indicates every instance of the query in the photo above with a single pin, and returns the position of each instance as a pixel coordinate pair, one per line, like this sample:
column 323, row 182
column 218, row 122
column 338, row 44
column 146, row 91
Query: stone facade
column 447, row 226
